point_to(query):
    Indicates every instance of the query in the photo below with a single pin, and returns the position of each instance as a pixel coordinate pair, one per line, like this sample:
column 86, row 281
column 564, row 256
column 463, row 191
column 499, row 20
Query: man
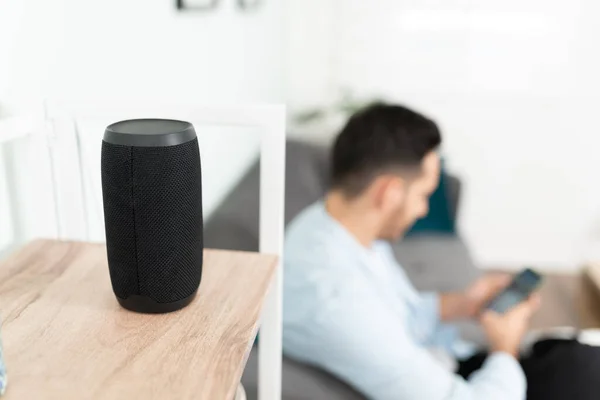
column 349, row 307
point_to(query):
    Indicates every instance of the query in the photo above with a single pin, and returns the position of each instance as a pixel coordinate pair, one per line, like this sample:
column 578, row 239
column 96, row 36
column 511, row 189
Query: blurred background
column 513, row 84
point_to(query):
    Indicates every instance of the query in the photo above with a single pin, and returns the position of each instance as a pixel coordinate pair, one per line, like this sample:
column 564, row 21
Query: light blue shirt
column 352, row 311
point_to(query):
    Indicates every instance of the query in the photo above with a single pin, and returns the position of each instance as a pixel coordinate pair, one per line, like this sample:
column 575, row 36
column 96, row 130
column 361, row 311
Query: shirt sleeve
column 428, row 312
column 363, row 342
column 437, row 333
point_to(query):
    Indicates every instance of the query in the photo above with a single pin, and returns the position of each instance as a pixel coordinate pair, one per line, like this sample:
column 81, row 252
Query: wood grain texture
column 592, row 272
column 66, row 337
column 590, row 295
column 559, row 302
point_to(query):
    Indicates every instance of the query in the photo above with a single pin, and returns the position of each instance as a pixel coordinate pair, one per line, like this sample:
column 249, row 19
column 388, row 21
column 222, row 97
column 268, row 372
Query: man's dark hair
column 381, row 138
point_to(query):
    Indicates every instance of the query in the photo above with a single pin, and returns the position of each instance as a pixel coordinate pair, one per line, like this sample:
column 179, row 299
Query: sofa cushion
column 234, row 224
column 299, row 382
column 440, row 218
column 436, row 262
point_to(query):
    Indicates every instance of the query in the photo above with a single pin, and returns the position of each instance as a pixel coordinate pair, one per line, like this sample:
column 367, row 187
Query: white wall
column 310, row 50
column 515, row 86
column 91, row 52
column 82, row 50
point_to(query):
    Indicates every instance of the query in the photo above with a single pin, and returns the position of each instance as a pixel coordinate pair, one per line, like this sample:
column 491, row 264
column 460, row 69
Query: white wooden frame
column 270, row 120
column 18, row 127
column 31, row 125
column 12, row 129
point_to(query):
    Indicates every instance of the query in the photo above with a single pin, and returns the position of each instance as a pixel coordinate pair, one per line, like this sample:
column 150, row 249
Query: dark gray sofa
column 433, row 262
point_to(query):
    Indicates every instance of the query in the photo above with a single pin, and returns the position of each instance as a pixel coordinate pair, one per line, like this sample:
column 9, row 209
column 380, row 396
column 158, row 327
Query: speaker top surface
column 150, row 132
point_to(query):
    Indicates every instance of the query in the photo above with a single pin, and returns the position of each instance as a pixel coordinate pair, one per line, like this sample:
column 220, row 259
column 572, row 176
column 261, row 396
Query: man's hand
column 482, row 291
column 505, row 331
column 470, row 303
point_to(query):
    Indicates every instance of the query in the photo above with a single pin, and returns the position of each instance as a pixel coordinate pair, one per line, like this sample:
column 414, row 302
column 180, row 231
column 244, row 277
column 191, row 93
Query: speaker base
column 144, row 304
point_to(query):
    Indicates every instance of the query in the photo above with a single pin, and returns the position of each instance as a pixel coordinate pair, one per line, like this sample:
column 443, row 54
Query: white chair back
column 38, row 161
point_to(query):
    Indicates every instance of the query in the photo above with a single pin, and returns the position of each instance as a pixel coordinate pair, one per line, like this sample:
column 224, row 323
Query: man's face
column 406, row 208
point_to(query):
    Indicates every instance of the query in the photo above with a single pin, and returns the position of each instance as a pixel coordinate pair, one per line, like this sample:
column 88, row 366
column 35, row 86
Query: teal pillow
column 439, row 219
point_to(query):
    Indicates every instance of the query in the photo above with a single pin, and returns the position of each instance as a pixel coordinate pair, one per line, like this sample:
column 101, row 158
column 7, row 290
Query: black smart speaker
column 152, row 192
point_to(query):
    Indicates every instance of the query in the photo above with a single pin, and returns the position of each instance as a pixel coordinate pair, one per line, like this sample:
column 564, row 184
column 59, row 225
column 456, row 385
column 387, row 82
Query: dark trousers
column 556, row 369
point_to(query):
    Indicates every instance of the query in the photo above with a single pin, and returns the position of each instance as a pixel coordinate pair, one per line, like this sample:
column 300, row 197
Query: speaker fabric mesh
column 153, row 219
column 119, row 219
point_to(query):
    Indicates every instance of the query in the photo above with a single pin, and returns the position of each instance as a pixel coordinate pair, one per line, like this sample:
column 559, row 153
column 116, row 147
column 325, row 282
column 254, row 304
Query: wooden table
column 560, row 302
column 568, row 299
column 65, row 336
column 590, row 294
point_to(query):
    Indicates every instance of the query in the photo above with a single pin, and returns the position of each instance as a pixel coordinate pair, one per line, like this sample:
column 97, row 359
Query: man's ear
column 389, row 191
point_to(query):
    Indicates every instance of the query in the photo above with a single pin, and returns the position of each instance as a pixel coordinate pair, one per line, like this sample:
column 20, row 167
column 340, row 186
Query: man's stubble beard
column 398, row 225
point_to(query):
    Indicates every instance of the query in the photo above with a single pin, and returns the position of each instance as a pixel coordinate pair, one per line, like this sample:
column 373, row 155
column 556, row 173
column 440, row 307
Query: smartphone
column 523, row 284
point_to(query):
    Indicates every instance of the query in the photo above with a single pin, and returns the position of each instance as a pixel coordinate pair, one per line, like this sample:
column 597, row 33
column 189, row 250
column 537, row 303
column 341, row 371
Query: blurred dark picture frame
column 207, row 5
column 248, row 5
column 199, row 5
